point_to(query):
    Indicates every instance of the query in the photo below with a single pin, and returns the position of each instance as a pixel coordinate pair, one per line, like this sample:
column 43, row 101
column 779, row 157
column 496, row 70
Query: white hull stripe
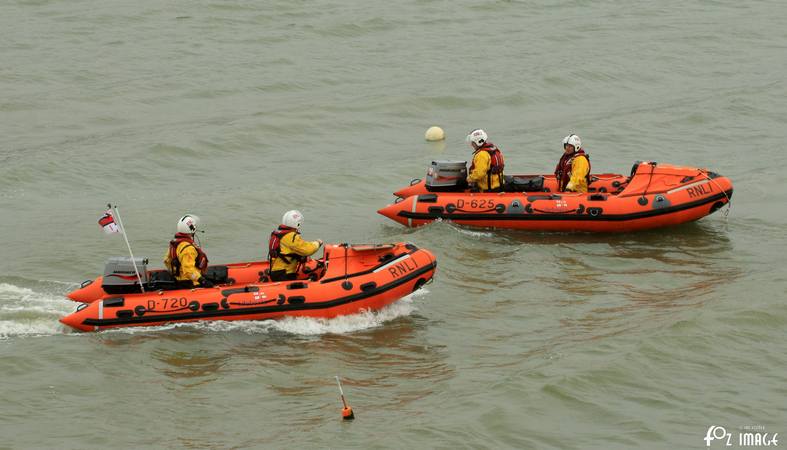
column 397, row 260
column 100, row 311
column 687, row 186
column 409, row 219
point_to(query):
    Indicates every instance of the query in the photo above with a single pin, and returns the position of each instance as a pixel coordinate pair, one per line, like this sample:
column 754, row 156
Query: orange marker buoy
column 347, row 411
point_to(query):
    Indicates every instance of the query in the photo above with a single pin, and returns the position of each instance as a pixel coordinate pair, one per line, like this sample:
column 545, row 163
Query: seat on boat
column 217, row 274
column 163, row 280
column 523, row 183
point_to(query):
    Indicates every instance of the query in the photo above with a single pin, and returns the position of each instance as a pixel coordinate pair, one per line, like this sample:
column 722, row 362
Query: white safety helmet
column 572, row 139
column 477, row 137
column 292, row 219
column 188, row 224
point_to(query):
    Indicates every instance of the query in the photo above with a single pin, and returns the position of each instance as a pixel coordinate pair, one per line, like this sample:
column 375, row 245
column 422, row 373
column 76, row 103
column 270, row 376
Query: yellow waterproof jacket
column 187, row 255
column 293, row 244
column 481, row 164
column 579, row 172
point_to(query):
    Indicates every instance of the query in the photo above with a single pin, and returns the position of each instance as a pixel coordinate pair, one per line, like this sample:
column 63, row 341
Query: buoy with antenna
column 347, row 412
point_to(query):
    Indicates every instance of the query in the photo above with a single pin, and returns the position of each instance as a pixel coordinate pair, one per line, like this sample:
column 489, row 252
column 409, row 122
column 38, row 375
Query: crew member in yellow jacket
column 486, row 170
column 573, row 170
column 184, row 259
column 287, row 251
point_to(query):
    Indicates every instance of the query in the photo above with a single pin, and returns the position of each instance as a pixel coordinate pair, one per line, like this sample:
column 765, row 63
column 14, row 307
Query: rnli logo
column 699, row 191
column 403, row 268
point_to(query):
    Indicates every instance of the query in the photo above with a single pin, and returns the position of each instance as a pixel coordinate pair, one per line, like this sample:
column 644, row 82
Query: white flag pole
column 123, row 230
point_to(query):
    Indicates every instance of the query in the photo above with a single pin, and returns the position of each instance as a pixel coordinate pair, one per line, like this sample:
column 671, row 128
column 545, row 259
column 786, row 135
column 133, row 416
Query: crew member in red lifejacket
column 573, row 170
column 184, row 259
column 287, row 251
column 486, row 171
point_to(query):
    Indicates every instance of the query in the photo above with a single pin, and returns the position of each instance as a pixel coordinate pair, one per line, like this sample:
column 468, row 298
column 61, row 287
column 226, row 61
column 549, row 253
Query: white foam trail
column 25, row 312
column 17, row 328
column 10, row 289
column 346, row 324
column 475, row 234
column 305, row 326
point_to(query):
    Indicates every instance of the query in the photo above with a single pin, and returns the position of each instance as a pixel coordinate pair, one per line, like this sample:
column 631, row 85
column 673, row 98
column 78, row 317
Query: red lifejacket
column 274, row 244
column 202, row 259
column 496, row 163
column 563, row 168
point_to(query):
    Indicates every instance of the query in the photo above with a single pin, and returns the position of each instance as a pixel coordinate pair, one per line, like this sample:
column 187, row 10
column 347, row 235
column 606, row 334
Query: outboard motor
column 119, row 276
column 447, row 176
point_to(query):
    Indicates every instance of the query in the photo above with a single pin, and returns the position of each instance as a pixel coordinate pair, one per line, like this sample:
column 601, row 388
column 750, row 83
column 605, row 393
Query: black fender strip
column 570, row 211
column 296, row 300
column 228, row 292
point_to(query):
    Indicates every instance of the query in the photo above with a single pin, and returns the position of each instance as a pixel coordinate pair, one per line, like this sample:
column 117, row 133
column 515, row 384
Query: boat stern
column 417, row 186
column 76, row 319
column 89, row 291
column 393, row 211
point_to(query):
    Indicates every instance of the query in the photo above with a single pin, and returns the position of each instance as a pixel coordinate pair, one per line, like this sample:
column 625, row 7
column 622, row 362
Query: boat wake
column 25, row 312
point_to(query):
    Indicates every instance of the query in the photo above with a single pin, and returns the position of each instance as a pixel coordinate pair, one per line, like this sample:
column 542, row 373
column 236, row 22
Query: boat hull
column 667, row 196
column 371, row 280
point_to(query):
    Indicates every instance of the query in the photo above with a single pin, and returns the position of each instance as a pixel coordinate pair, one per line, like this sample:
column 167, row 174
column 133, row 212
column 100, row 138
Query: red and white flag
column 108, row 224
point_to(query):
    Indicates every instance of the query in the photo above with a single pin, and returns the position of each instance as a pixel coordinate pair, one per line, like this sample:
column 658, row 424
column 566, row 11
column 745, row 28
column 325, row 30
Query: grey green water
column 240, row 110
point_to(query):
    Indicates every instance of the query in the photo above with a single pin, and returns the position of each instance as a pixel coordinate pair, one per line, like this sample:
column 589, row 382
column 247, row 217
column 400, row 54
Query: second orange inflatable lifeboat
column 654, row 195
column 348, row 279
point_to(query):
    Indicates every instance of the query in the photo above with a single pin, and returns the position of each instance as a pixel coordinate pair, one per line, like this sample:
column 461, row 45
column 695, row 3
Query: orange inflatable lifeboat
column 349, row 278
column 654, row 195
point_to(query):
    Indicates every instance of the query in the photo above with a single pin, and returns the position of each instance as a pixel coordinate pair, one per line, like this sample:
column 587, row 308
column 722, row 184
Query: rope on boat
column 729, row 200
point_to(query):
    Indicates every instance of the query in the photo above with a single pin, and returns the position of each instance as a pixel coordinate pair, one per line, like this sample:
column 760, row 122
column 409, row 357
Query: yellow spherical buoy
column 434, row 134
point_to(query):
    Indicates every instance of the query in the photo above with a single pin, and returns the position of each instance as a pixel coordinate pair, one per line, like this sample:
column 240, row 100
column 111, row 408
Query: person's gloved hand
column 204, row 282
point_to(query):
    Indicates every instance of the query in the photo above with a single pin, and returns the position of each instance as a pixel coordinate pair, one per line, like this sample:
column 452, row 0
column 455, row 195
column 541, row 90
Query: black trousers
column 282, row 275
